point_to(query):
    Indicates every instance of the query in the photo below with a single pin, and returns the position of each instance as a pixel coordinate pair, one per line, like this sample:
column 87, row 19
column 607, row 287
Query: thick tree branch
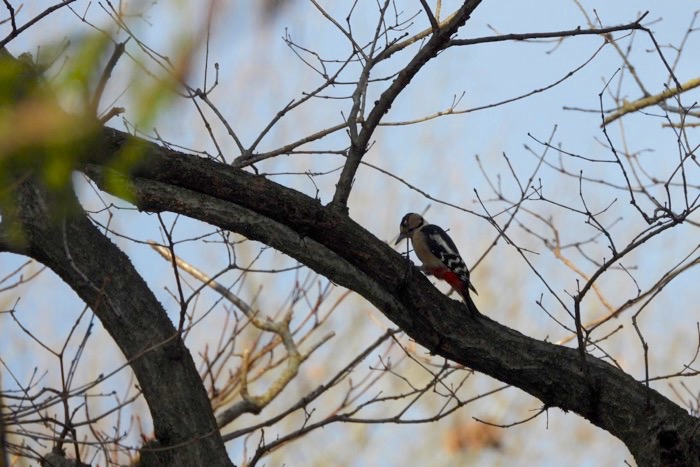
column 656, row 430
column 58, row 234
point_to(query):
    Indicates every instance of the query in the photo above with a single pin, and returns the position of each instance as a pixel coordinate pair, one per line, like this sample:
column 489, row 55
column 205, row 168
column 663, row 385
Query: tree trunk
column 59, row 235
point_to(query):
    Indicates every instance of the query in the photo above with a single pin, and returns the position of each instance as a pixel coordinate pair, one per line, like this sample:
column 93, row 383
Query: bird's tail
column 471, row 306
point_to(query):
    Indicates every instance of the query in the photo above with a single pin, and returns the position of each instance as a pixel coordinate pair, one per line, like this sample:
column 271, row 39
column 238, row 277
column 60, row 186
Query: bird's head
column 409, row 224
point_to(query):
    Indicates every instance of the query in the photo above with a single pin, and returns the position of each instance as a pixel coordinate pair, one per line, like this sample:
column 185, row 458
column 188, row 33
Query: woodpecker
column 437, row 252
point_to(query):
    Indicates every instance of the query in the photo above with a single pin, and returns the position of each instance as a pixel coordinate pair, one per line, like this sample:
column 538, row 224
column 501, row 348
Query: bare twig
column 634, row 106
column 17, row 31
column 11, row 9
column 252, row 404
column 549, row 35
column 358, row 147
column 106, row 74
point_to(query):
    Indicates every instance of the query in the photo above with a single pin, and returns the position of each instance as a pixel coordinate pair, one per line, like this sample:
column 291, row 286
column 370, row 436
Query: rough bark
column 656, row 431
column 58, row 234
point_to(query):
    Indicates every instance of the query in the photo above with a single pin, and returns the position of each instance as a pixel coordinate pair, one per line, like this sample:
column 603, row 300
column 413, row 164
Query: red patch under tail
column 452, row 279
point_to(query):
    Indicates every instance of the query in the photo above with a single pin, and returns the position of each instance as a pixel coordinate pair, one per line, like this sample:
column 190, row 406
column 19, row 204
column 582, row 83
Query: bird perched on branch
column 437, row 252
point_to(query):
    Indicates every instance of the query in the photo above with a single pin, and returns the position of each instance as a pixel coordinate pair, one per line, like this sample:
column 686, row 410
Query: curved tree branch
column 655, row 430
column 58, row 234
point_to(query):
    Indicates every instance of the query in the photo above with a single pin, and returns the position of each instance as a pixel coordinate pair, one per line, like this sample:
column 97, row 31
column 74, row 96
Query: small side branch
column 630, row 107
column 119, row 50
column 551, row 35
column 358, row 148
column 11, row 9
column 249, row 403
column 16, row 31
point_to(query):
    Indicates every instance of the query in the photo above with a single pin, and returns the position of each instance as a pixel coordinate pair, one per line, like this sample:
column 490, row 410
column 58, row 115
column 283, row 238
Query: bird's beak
column 401, row 237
